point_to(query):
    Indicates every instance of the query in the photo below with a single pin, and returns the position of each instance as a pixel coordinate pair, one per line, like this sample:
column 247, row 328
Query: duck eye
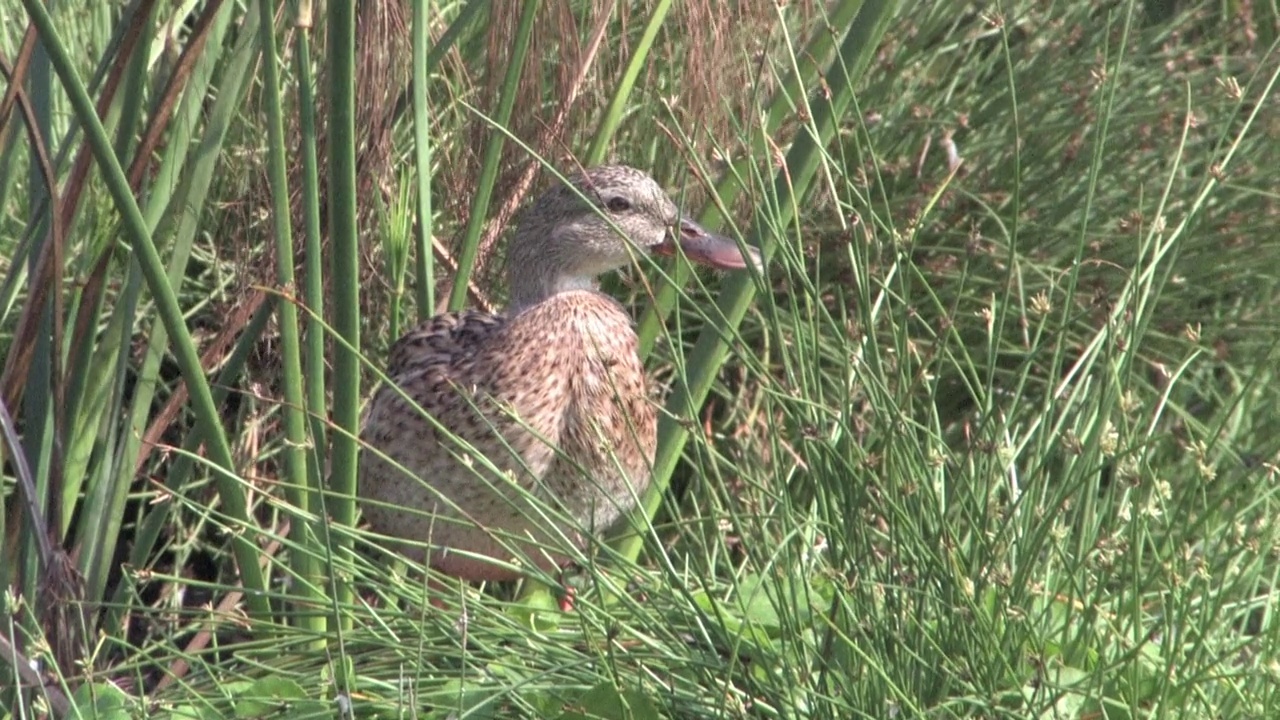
column 618, row 204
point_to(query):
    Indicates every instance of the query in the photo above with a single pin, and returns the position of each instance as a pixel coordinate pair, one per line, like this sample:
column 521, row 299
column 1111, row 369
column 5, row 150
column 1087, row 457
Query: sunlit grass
column 996, row 436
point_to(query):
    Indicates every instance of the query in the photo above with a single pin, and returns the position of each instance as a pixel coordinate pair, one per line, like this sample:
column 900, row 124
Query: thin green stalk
column 298, row 482
column 154, row 523
column 396, row 220
column 790, row 186
column 313, row 263
column 131, row 98
column 492, row 157
column 812, row 55
column 9, row 144
column 424, row 261
column 100, row 531
column 135, row 230
column 471, row 13
column 617, row 104
column 38, row 407
column 782, row 107
column 344, row 272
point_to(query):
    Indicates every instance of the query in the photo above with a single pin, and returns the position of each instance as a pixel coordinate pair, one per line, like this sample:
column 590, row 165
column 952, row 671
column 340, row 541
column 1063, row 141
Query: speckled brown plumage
column 552, row 393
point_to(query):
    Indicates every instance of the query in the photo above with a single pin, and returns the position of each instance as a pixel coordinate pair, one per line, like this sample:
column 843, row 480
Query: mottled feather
column 552, row 394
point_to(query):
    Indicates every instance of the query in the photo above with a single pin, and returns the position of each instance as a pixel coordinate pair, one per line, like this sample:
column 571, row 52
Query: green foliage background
column 994, row 434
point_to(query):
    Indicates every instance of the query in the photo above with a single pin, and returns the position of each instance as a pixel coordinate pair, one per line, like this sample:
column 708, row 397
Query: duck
column 497, row 438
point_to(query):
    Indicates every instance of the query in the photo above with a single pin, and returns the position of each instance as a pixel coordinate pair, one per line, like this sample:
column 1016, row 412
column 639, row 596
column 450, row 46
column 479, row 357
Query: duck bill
column 707, row 248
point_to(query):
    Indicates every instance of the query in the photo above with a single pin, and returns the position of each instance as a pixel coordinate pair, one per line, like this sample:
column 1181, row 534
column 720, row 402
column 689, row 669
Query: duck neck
column 531, row 285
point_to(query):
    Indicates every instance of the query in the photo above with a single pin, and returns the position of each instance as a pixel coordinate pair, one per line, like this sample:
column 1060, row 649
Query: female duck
column 548, row 401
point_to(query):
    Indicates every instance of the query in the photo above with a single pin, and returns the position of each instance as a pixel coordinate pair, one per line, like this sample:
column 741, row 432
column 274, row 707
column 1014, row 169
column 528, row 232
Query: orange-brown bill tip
column 707, row 248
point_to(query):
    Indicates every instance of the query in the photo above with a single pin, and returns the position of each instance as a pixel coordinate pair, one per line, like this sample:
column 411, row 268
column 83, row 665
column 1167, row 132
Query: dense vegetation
column 994, row 434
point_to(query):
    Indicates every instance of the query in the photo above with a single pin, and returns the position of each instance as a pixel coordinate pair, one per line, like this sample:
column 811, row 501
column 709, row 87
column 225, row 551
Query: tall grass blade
column 300, row 484
column 313, row 256
column 229, row 487
column 492, row 156
column 424, row 264
column 790, row 186
column 344, row 274
column 640, row 58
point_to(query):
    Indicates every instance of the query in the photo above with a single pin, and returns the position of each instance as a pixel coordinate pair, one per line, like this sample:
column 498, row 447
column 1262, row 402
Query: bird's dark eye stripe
column 618, row 204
